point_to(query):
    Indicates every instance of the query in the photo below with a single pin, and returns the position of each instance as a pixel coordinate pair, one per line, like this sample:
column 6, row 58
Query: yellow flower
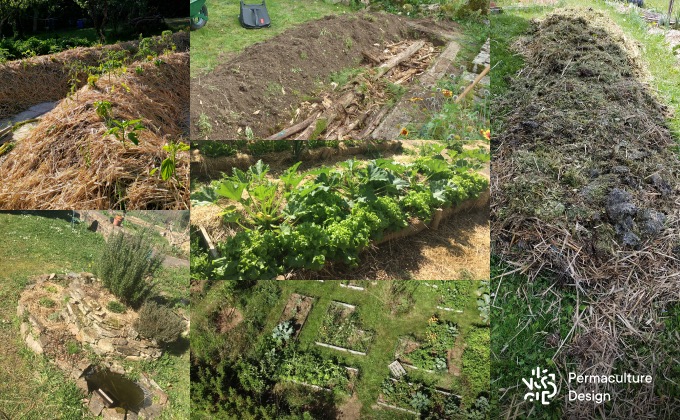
column 486, row 134
column 149, row 57
column 404, row 132
column 415, row 98
column 447, row 93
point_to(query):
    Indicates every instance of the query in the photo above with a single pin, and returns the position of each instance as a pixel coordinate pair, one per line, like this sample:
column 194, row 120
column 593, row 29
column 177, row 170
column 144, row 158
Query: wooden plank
column 402, row 56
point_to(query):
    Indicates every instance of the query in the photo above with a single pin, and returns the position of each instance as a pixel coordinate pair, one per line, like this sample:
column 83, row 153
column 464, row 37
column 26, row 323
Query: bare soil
column 273, row 76
column 455, row 356
column 227, row 319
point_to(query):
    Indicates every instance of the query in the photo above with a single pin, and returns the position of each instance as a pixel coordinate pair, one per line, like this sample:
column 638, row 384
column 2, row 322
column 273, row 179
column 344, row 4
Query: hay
column 46, row 78
column 68, row 162
column 585, row 185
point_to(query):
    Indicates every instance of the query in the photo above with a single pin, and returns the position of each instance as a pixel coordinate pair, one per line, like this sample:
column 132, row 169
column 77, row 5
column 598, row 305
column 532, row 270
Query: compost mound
column 585, row 178
column 585, row 185
column 261, row 87
column 24, row 83
column 69, row 162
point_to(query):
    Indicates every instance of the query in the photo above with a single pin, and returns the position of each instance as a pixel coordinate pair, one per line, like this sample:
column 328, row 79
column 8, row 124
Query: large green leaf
column 167, row 169
column 230, row 189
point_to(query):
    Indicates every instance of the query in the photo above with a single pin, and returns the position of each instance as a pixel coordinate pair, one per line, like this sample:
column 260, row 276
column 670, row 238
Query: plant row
column 413, row 394
column 303, row 220
column 261, row 147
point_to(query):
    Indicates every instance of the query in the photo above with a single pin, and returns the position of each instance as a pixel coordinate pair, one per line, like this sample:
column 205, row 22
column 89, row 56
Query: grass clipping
column 585, row 185
column 68, row 161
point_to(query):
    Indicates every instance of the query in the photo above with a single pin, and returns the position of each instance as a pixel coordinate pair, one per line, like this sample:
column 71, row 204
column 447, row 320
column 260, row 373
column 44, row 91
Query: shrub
column 158, row 322
column 124, row 266
column 116, row 307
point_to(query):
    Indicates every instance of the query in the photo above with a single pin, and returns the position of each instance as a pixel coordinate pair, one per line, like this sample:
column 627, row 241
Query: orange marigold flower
column 447, row 93
column 486, row 134
column 404, row 132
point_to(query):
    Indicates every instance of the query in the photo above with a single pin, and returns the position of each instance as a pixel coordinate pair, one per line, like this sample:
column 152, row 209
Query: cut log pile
column 357, row 108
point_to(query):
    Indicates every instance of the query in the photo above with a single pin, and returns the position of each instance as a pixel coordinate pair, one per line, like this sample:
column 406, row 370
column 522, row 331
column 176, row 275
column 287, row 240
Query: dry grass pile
column 47, row 78
column 585, row 185
column 68, row 161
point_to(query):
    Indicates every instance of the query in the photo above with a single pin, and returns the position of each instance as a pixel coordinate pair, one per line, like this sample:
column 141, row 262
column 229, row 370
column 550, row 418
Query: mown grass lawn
column 223, row 34
column 35, row 243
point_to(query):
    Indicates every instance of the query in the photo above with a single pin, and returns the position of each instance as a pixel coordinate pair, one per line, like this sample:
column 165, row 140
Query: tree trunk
column 36, row 14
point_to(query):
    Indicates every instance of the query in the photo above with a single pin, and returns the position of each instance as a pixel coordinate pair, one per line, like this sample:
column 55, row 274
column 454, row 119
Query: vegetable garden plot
column 417, row 397
column 210, row 159
column 342, row 328
column 296, row 311
column 311, row 370
column 293, row 97
column 429, row 351
column 330, row 214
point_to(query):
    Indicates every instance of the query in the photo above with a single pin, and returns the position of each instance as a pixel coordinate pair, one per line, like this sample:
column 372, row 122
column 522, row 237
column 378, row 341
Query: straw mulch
column 585, row 186
column 67, row 161
column 24, row 83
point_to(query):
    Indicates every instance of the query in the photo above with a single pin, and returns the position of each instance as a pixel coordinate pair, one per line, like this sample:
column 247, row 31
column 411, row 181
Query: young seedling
column 169, row 165
column 125, row 129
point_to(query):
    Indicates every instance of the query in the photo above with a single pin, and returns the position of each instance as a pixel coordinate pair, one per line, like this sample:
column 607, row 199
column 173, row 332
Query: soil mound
column 47, row 78
column 273, row 76
column 69, row 162
column 585, row 185
column 585, row 177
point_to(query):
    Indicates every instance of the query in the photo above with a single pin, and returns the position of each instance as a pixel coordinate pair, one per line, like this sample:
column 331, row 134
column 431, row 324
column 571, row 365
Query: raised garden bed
column 296, row 310
column 342, row 330
column 453, row 296
column 429, row 350
column 415, row 397
column 333, row 78
column 313, row 371
column 355, row 284
column 302, row 220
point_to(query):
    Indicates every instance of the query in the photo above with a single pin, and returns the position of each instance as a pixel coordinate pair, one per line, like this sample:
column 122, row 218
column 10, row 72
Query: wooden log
column 330, row 114
column 374, row 122
column 293, row 129
column 394, row 61
column 370, row 57
column 473, row 84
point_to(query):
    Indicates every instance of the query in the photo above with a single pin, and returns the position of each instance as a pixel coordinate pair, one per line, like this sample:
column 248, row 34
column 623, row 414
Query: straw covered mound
column 67, row 161
column 585, row 178
column 585, row 185
column 47, row 78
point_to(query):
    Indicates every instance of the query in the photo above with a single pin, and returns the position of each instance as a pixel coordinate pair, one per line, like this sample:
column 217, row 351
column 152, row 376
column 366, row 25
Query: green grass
column 372, row 305
column 524, row 314
column 36, row 243
column 223, row 34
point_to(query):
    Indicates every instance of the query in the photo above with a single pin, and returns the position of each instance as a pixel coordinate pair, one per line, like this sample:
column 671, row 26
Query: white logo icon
column 539, row 389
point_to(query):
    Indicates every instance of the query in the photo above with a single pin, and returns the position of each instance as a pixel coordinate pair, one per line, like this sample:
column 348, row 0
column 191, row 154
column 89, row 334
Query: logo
column 543, row 388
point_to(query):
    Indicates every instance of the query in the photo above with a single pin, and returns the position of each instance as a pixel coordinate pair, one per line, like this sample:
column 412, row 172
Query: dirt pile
column 28, row 82
column 585, row 185
column 585, row 174
column 69, row 161
column 261, row 87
